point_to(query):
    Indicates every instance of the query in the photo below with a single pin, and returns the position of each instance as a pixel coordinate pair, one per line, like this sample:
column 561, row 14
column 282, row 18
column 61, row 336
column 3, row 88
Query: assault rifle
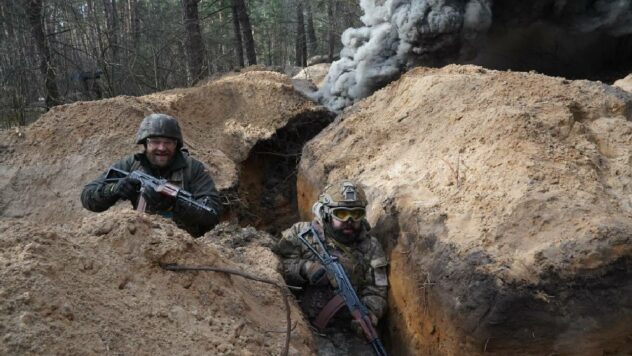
column 345, row 294
column 162, row 186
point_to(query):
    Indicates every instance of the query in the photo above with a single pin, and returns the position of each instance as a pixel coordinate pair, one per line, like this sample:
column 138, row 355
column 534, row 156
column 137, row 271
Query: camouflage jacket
column 185, row 172
column 364, row 262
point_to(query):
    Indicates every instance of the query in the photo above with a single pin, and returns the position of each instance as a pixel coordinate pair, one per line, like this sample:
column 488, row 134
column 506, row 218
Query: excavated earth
column 248, row 128
column 503, row 199
column 505, row 202
column 625, row 83
column 76, row 282
column 97, row 288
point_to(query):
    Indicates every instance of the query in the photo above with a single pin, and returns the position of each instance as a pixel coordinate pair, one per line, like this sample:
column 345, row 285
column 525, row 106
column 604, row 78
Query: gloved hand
column 156, row 201
column 355, row 325
column 125, row 188
column 315, row 273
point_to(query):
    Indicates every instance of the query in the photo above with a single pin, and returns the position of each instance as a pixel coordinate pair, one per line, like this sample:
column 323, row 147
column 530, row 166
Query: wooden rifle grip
column 142, row 204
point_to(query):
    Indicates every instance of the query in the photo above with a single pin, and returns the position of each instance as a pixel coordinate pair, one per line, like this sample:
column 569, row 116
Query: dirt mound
column 505, row 199
column 97, row 288
column 76, row 282
column 46, row 165
column 625, row 83
column 316, row 74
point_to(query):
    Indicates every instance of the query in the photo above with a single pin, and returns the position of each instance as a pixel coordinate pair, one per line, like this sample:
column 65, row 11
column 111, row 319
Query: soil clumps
column 46, row 164
column 625, row 83
column 97, row 287
column 315, row 73
column 77, row 282
column 504, row 199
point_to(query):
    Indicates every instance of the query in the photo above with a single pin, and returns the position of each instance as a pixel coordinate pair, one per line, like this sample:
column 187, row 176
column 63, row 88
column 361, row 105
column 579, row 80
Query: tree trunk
column 7, row 27
column 269, row 45
column 112, row 35
column 34, row 13
column 96, row 41
column 312, row 42
column 193, row 43
column 246, row 30
column 301, row 45
column 134, row 21
column 239, row 49
column 331, row 38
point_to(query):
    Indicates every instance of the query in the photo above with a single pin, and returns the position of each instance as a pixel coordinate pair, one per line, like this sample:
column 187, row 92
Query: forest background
column 56, row 52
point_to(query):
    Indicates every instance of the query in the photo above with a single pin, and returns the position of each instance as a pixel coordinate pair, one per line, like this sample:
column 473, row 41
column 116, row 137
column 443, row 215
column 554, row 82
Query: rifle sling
column 328, row 312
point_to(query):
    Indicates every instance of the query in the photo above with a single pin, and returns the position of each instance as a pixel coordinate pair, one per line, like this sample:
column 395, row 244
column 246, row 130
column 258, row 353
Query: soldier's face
column 350, row 228
column 161, row 151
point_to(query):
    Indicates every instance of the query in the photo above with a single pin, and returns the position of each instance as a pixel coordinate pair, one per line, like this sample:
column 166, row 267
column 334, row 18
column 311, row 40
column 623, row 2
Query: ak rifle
column 162, row 186
column 344, row 289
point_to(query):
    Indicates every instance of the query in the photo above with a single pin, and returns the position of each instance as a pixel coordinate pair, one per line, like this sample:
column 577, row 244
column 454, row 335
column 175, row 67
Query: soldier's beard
column 344, row 237
column 160, row 159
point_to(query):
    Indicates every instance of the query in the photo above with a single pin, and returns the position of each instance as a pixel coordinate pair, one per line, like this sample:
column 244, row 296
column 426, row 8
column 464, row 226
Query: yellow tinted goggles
column 344, row 214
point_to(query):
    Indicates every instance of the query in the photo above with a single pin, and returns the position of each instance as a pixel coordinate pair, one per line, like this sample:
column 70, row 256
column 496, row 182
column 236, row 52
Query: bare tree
column 301, row 42
column 34, row 14
column 239, row 49
column 331, row 37
column 312, row 43
column 193, row 44
column 88, row 49
column 112, row 37
column 246, row 30
column 134, row 20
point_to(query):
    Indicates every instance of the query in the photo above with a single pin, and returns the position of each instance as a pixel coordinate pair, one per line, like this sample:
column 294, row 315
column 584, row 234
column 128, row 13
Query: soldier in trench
column 340, row 211
column 163, row 157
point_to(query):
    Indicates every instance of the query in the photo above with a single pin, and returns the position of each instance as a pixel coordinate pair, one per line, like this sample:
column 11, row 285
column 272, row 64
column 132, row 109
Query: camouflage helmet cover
column 159, row 125
column 344, row 194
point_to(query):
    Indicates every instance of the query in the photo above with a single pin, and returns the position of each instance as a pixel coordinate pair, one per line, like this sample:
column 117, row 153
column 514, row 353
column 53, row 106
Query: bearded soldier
column 340, row 217
column 163, row 157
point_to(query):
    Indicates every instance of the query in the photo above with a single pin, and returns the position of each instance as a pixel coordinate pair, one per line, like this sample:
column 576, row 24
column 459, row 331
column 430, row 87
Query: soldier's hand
column 315, row 273
column 157, row 201
column 126, row 188
column 355, row 325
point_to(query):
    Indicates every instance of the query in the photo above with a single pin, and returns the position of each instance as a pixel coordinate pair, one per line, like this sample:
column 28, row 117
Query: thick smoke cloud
column 611, row 16
column 400, row 34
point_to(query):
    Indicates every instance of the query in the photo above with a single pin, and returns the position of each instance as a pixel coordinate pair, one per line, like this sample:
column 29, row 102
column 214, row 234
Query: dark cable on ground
column 282, row 287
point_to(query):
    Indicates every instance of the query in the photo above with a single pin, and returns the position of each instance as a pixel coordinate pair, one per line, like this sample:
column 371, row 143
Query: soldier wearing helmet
column 340, row 211
column 164, row 158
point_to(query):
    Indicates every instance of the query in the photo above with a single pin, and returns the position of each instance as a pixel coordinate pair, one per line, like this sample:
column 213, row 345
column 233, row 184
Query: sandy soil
column 316, row 74
column 97, row 288
column 625, row 83
column 503, row 198
column 506, row 202
column 76, row 282
column 47, row 163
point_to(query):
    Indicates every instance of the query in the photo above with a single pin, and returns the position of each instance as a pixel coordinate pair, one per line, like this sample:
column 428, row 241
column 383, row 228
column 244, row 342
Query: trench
column 266, row 194
column 440, row 302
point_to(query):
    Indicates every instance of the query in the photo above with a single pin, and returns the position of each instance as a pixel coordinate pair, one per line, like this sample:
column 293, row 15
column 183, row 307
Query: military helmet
column 159, row 125
column 345, row 194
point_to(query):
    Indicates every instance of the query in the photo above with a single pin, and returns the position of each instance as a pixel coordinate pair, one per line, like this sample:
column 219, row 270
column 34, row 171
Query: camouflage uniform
column 184, row 171
column 365, row 263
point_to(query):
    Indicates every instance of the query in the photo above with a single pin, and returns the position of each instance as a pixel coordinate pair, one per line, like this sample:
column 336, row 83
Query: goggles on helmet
column 344, row 214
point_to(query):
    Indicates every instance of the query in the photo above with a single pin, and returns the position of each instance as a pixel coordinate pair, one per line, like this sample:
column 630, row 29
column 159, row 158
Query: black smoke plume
column 573, row 38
